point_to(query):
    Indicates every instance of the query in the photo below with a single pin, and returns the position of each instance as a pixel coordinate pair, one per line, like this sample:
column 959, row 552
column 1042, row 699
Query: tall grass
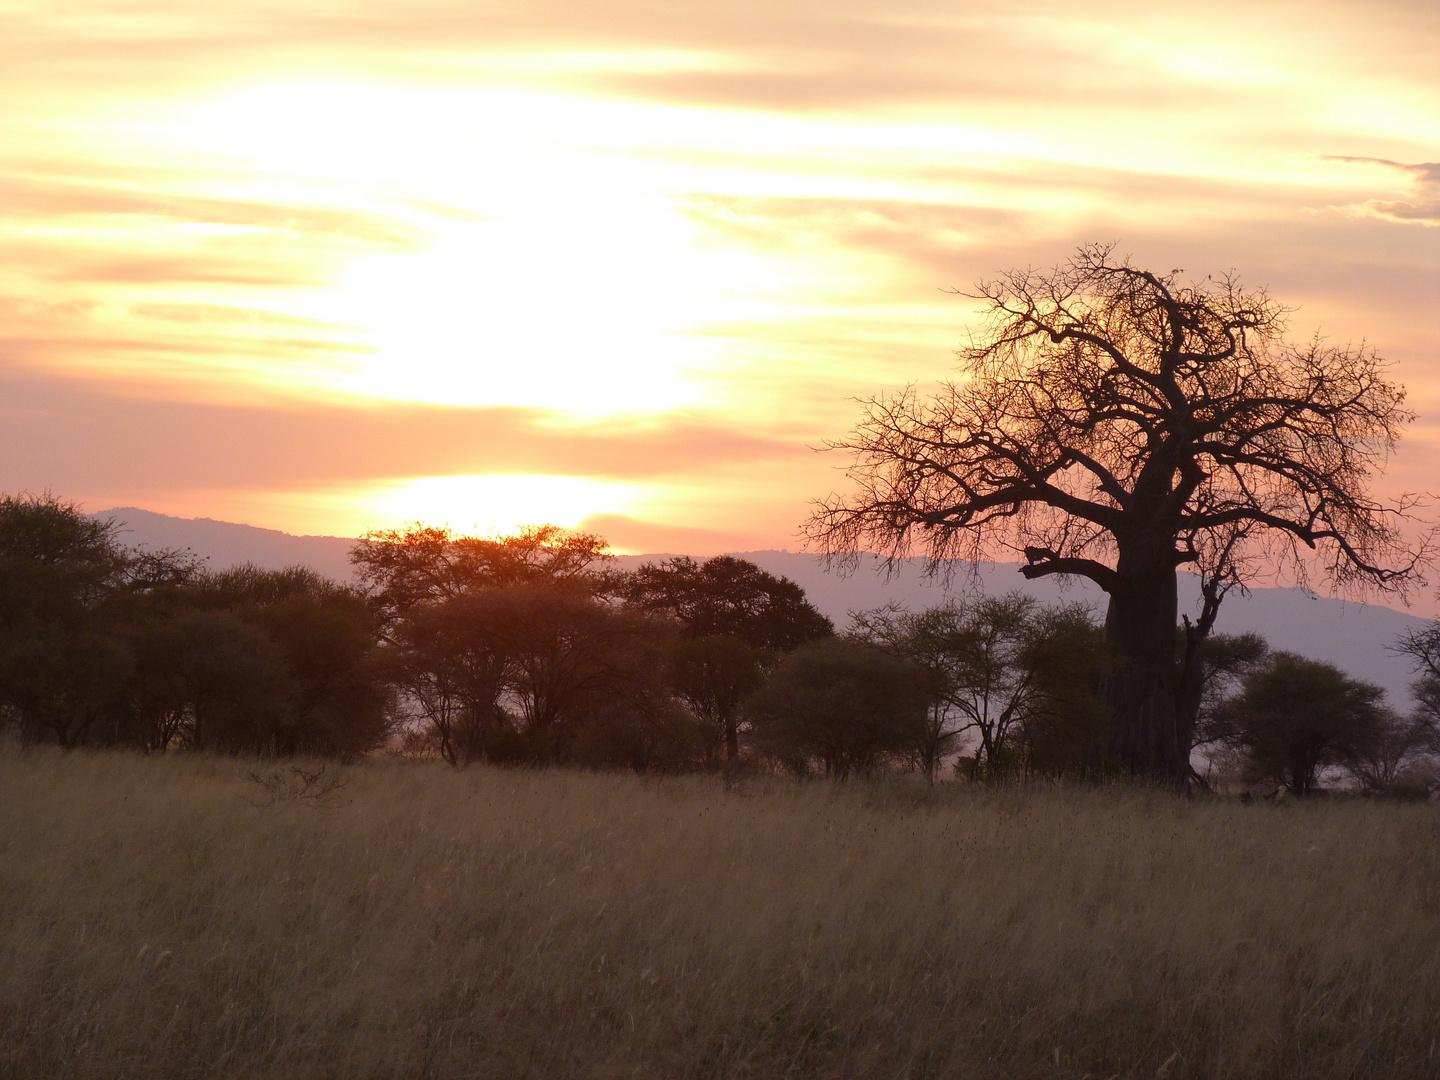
column 161, row 920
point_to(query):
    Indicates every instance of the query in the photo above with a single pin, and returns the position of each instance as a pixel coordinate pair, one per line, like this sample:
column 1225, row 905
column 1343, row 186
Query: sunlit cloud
column 322, row 267
column 82, row 436
column 1424, row 206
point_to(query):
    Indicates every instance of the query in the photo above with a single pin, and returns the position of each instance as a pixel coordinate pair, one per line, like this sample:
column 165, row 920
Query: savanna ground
column 169, row 917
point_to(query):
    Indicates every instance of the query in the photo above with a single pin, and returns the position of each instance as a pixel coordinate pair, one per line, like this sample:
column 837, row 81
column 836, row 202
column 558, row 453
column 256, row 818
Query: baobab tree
column 1116, row 424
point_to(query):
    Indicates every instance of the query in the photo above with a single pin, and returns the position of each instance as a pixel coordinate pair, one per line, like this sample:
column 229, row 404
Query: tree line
column 533, row 649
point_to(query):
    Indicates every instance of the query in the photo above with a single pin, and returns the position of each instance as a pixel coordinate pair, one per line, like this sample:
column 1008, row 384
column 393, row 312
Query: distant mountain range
column 225, row 544
column 1351, row 635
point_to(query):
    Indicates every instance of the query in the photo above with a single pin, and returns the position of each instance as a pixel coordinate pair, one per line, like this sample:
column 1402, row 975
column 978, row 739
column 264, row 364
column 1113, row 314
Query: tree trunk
column 1190, row 692
column 1138, row 677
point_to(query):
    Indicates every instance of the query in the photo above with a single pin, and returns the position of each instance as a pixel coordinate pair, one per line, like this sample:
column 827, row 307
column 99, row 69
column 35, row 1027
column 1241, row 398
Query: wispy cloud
column 82, row 434
column 253, row 249
column 1423, row 208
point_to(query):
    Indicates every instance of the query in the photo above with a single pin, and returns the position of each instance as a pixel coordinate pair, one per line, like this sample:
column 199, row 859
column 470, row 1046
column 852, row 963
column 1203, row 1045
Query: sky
column 334, row 266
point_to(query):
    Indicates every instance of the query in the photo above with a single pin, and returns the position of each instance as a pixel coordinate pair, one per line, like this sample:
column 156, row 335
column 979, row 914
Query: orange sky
column 328, row 266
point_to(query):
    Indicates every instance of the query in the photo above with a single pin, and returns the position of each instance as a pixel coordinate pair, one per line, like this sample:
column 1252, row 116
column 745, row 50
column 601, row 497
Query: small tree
column 1223, row 661
column 1064, row 718
column 1400, row 743
column 204, row 680
column 59, row 666
column 713, row 675
column 736, row 620
column 1422, row 647
column 1293, row 716
column 515, row 671
column 484, row 634
column 324, row 638
column 987, row 665
column 645, row 732
column 844, row 704
column 454, row 664
column 340, row 704
column 56, row 564
column 1116, row 424
column 571, row 654
column 59, row 686
column 925, row 639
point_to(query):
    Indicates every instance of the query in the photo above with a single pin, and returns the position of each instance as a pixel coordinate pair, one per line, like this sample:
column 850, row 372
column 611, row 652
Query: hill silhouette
column 223, row 544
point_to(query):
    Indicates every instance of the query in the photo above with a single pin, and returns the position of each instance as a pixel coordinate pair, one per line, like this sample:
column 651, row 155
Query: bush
column 845, row 705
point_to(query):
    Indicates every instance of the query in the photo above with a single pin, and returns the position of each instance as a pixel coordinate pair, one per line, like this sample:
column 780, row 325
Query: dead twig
column 303, row 787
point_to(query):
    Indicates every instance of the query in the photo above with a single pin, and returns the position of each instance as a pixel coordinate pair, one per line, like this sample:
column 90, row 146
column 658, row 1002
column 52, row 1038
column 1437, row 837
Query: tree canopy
column 736, row 621
column 1293, row 716
column 400, row 568
column 842, row 703
column 728, row 595
column 987, row 663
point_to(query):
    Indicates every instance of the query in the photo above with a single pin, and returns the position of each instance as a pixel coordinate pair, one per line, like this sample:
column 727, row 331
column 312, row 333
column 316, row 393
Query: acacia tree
column 728, row 596
column 1117, row 424
column 843, row 703
column 1418, row 735
column 400, row 568
column 982, row 663
column 931, row 640
column 736, row 621
column 1293, row 716
column 454, row 670
column 59, row 573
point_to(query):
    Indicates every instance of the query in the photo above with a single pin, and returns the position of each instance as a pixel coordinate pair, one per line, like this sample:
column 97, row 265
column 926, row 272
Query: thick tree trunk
column 1138, row 679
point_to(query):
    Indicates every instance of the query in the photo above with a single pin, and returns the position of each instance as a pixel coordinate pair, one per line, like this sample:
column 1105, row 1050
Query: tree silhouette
column 1116, row 424
column 713, row 675
column 983, row 663
column 727, row 595
column 58, row 570
column 454, row 667
column 842, row 703
column 1294, row 716
column 736, row 619
column 400, row 568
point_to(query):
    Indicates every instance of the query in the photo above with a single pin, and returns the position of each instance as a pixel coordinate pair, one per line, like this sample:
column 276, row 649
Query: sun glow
column 546, row 274
column 496, row 503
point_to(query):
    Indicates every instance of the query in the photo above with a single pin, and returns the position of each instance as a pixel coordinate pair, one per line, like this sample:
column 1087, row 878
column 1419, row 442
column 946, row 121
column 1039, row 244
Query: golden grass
column 546, row 924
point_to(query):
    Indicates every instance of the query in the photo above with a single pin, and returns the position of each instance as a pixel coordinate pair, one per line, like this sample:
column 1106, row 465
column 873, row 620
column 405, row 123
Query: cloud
column 150, row 230
column 1422, row 209
column 25, row 197
column 140, row 276
column 626, row 533
column 804, row 55
column 753, row 207
column 66, row 435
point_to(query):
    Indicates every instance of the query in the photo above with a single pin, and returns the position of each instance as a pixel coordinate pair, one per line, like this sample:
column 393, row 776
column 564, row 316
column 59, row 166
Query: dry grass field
column 166, row 917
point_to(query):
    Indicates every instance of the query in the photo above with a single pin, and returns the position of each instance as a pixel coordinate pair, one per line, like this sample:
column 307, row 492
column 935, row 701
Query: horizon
column 1352, row 634
column 1376, row 601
